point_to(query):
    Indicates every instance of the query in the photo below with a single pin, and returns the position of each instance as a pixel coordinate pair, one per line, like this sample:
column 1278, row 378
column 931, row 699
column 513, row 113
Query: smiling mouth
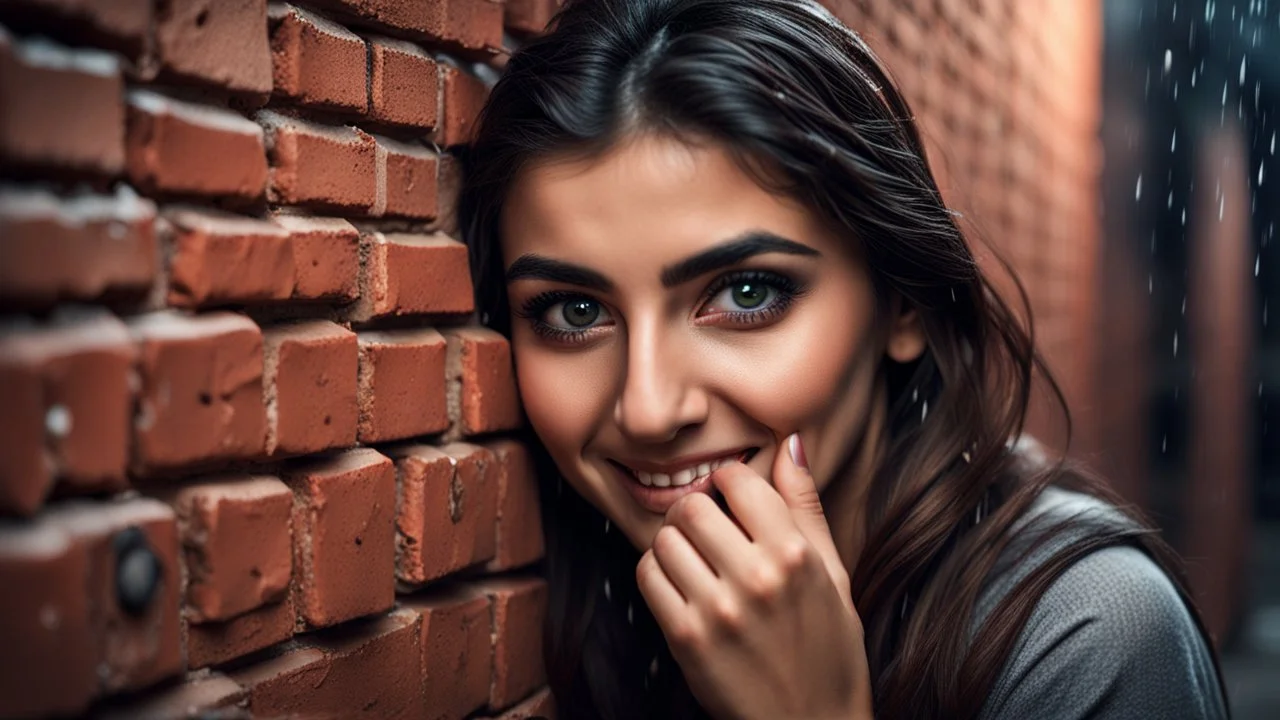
column 685, row 475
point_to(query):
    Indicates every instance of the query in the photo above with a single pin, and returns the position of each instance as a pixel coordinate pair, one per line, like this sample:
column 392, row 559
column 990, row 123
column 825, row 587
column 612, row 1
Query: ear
column 906, row 341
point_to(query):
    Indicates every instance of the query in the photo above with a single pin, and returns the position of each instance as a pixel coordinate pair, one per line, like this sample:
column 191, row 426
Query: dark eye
column 744, row 296
column 572, row 314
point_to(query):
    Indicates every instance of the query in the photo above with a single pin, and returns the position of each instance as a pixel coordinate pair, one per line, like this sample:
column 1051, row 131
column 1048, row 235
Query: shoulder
column 1110, row 637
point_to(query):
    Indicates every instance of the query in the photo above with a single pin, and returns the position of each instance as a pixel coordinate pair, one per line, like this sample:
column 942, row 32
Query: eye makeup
column 780, row 292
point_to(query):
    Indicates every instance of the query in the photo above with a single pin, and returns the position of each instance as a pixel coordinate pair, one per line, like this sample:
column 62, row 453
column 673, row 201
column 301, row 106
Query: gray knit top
column 1110, row 638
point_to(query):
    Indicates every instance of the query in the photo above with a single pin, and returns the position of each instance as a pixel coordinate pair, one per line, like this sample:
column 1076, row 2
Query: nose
column 660, row 394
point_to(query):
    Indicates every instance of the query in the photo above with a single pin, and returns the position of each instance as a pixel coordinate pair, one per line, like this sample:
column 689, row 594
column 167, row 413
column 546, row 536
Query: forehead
column 649, row 198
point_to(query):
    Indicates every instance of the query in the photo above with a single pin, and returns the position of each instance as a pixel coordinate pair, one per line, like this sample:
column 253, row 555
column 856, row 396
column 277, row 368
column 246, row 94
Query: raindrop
column 1175, row 344
column 1169, row 203
column 1137, row 191
column 1262, row 165
column 608, row 594
column 1164, row 443
column 1173, row 144
column 1224, row 94
column 915, row 394
column 1222, row 206
column 1273, row 142
column 1150, row 284
column 1168, row 60
column 1242, row 65
column 1175, row 91
column 1184, row 217
column 1193, row 77
column 924, row 411
column 1184, row 304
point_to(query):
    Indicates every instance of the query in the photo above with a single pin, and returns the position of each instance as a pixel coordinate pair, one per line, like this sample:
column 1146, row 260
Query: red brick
column 210, row 644
column 317, row 62
column 220, row 259
column 519, row 609
column 404, row 85
column 326, row 257
column 457, row 655
column 344, row 536
column 366, row 669
column 408, row 174
column 450, row 182
column 69, row 415
column 201, row 395
column 311, row 370
column 222, row 43
column 320, row 165
column 468, row 27
column 519, row 523
column 210, row 695
column 481, row 382
column 120, row 25
column 529, row 17
column 407, row 274
column 447, row 510
column 541, row 705
column 184, row 148
column 236, row 540
column 47, row 661
column 401, row 384
column 60, row 110
column 75, row 248
column 140, row 645
column 464, row 97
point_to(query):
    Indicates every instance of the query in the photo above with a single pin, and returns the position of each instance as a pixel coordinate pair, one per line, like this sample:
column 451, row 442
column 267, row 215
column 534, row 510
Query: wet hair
column 803, row 104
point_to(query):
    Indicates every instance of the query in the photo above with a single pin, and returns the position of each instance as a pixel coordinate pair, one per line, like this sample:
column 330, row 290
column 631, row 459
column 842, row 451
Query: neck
column 845, row 499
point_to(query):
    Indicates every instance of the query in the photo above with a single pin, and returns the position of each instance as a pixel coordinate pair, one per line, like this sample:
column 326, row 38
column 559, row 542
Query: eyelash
column 788, row 292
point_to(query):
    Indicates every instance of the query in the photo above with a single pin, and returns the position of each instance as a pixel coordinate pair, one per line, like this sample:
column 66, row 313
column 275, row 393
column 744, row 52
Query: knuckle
column 794, row 555
column 685, row 633
column 726, row 613
column 765, row 582
column 665, row 539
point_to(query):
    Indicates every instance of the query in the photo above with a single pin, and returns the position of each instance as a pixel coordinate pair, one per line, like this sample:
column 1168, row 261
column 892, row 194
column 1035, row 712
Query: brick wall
column 256, row 451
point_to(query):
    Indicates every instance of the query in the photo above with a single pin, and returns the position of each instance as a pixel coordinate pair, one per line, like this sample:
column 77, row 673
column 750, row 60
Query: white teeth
column 661, row 480
column 703, row 470
column 646, row 479
column 684, row 477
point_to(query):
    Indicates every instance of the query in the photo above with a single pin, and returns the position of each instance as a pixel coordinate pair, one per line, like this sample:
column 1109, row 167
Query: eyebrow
column 756, row 242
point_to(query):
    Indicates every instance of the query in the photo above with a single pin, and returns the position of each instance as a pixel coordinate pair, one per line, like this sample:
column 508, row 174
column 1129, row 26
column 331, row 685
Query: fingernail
column 797, row 451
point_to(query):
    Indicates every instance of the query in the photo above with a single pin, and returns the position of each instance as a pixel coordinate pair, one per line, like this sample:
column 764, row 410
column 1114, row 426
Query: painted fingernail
column 797, row 451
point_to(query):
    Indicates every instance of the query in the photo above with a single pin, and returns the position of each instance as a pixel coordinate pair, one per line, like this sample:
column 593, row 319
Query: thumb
column 794, row 482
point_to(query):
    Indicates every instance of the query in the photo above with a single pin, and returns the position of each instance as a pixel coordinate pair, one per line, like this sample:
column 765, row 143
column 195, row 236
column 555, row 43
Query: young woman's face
column 668, row 313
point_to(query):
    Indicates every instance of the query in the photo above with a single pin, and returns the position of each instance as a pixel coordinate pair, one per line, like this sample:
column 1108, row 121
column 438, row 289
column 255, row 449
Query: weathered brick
column 76, row 248
column 468, row 27
column 326, row 257
column 211, row 695
column 237, row 544
column 216, row 643
column 519, row 609
column 47, row 662
column 367, row 669
column 529, row 17
column 320, row 165
column 344, row 536
column 67, row 408
column 315, row 61
column 119, row 25
column 404, row 85
column 464, row 97
column 541, row 705
column 133, row 587
column 406, row 274
column 481, row 382
column 519, row 523
column 184, row 148
column 408, row 185
column 457, row 655
column 447, row 510
column 222, row 43
column 60, row 110
column 311, row 370
column 401, row 387
column 220, row 259
column 201, row 391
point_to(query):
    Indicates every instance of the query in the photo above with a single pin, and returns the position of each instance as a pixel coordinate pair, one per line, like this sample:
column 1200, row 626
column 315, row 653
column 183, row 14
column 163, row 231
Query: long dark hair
column 806, row 107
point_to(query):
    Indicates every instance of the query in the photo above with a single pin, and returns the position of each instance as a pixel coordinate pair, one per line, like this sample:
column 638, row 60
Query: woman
column 774, row 398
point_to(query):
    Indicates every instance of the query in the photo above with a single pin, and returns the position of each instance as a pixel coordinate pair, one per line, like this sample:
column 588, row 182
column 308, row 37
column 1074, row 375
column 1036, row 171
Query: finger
column 659, row 593
column 721, row 542
column 796, row 486
column 753, row 501
column 682, row 564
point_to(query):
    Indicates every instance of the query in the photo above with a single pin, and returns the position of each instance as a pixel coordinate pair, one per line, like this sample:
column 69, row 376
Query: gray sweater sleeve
column 1110, row 639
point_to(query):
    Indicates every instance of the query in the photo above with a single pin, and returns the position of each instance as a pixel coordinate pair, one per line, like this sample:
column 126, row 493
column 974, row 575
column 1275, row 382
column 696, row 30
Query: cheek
column 564, row 395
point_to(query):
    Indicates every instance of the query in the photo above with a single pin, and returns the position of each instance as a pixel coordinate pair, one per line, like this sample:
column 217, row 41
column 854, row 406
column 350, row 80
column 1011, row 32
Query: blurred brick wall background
column 253, row 456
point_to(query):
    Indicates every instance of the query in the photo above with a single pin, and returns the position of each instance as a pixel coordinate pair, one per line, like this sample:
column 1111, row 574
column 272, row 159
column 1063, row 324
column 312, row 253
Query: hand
column 758, row 612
